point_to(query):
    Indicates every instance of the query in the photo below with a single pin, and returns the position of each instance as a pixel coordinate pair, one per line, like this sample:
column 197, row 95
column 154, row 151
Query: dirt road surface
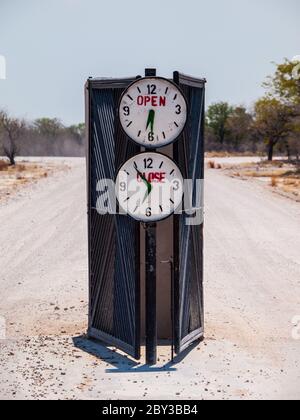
column 252, row 289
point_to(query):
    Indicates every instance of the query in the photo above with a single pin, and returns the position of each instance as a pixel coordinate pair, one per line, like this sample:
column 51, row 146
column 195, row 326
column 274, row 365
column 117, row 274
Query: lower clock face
column 149, row 187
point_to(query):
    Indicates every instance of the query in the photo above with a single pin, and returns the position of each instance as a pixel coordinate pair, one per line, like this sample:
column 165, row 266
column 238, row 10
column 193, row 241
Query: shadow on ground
column 122, row 363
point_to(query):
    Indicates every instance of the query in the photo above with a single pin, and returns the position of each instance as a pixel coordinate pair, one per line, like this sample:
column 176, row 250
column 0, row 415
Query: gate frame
column 93, row 333
column 181, row 344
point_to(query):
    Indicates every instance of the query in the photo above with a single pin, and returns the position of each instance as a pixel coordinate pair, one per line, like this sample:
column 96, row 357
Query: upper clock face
column 153, row 112
column 149, row 187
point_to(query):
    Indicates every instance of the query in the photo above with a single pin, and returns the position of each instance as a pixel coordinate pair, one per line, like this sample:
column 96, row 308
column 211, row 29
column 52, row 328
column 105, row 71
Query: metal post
column 175, row 262
column 151, row 319
column 172, row 312
column 150, row 72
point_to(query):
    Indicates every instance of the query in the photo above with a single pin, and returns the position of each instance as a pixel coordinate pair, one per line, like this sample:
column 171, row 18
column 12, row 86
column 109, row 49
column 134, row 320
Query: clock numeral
column 148, row 163
column 123, row 186
column 149, row 212
column 178, row 109
column 151, row 89
column 151, row 136
column 176, row 185
column 126, row 111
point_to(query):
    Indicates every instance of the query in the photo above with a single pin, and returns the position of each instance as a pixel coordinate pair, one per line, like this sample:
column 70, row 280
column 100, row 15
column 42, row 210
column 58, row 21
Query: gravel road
column 252, row 289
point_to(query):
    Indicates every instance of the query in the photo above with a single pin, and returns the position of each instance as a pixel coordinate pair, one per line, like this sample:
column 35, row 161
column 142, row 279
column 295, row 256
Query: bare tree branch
column 12, row 130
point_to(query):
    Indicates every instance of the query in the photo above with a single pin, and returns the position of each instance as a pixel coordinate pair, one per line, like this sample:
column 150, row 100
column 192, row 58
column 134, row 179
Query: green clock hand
column 149, row 189
column 148, row 184
column 150, row 120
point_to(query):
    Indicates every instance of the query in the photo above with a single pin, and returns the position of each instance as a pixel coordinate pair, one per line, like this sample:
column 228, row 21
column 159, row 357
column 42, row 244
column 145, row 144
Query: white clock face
column 153, row 112
column 149, row 187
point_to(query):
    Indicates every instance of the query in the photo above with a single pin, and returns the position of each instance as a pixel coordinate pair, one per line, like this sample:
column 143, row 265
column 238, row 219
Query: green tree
column 285, row 83
column 49, row 128
column 238, row 126
column 217, row 117
column 273, row 122
column 77, row 132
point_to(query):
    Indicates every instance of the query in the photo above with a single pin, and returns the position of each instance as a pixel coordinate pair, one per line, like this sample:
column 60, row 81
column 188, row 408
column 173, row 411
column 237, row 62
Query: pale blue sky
column 52, row 46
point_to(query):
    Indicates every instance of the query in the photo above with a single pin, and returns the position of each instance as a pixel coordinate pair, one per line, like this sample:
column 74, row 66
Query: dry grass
column 20, row 168
column 291, row 181
column 19, row 176
column 14, row 177
column 281, row 175
column 217, row 155
column 228, row 154
column 3, row 165
column 264, row 174
column 274, row 181
column 213, row 165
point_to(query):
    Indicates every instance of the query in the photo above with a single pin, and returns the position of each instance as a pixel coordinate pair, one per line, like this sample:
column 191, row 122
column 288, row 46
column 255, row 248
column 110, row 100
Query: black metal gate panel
column 188, row 233
column 114, row 240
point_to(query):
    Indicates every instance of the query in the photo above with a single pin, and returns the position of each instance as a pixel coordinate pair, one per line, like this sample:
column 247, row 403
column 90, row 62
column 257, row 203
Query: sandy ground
column 252, row 289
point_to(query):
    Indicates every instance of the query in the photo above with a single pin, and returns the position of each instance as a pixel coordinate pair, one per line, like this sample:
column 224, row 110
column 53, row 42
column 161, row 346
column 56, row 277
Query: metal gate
column 114, row 240
column 188, row 239
column 114, row 244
